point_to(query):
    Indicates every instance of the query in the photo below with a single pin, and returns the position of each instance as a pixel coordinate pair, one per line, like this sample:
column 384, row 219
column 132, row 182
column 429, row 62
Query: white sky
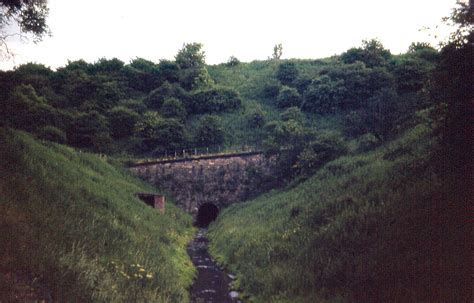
column 91, row 29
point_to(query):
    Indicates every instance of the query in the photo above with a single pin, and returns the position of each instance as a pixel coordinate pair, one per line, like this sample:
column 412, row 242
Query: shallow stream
column 212, row 283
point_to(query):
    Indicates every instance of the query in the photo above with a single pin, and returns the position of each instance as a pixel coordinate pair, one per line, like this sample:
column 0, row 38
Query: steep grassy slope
column 374, row 227
column 71, row 228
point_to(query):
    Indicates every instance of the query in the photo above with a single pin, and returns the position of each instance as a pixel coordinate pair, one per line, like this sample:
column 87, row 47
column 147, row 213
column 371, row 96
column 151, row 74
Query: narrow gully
column 212, row 284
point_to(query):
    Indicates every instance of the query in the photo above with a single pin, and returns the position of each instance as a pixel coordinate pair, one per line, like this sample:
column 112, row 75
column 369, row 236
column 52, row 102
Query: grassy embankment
column 373, row 227
column 71, row 229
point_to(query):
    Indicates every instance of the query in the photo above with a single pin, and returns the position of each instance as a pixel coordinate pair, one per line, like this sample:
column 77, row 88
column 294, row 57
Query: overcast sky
column 246, row 29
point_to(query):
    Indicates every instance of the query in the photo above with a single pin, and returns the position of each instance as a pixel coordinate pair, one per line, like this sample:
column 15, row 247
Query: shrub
column 173, row 108
column 122, row 121
column 256, row 117
column 322, row 149
column 24, row 109
column 288, row 97
column 209, row 131
column 324, row 95
column 90, row 130
column 286, row 73
column 271, row 90
column 233, row 61
column 293, row 113
column 215, row 100
column 156, row 97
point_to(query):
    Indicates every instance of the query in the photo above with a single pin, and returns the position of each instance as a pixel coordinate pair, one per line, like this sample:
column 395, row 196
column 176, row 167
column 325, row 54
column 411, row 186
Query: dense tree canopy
column 29, row 15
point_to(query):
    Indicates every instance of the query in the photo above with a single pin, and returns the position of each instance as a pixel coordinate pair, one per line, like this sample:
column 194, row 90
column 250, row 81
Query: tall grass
column 373, row 227
column 70, row 223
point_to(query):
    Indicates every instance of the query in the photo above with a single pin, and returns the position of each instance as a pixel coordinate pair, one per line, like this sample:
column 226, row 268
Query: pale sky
column 246, row 29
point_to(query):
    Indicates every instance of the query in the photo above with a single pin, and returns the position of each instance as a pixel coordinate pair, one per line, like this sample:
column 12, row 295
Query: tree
column 453, row 93
column 192, row 67
column 122, row 121
column 233, row 61
column 285, row 140
column 410, row 74
column 144, row 128
column 287, row 73
column 173, row 108
column 106, row 66
column 191, row 56
column 379, row 117
column 277, row 51
column 372, row 53
column 215, row 100
column 462, row 18
column 324, row 95
column 256, row 117
column 323, row 148
column 156, row 97
column 293, row 113
column 425, row 51
column 288, row 97
column 359, row 83
column 24, row 109
column 90, row 130
column 168, row 71
column 29, row 15
column 169, row 134
column 209, row 131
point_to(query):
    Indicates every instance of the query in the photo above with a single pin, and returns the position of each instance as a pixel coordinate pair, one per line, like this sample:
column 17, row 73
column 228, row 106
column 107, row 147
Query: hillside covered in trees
column 368, row 203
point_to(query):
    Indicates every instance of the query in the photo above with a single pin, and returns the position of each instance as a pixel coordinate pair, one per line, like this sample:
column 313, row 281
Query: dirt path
column 212, row 284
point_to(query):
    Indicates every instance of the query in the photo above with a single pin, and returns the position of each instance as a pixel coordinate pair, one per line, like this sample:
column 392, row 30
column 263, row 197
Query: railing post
column 195, row 151
column 184, row 153
column 175, row 155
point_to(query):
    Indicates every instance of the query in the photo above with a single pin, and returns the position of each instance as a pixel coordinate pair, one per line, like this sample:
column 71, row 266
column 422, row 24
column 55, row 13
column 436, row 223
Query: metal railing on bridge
column 199, row 152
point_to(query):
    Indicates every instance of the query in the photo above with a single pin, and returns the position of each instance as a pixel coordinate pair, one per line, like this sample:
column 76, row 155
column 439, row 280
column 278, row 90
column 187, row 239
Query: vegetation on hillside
column 373, row 227
column 374, row 174
column 378, row 224
column 141, row 108
column 72, row 230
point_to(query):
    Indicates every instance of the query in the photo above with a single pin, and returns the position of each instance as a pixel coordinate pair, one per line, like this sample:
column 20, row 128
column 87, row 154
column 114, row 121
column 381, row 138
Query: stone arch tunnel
column 218, row 180
column 206, row 214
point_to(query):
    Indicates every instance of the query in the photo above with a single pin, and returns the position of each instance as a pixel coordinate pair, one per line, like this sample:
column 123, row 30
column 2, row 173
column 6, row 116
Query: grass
column 71, row 228
column 372, row 227
column 249, row 79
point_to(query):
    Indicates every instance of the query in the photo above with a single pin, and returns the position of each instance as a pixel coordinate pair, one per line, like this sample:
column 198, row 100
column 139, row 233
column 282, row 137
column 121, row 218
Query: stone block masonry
column 217, row 180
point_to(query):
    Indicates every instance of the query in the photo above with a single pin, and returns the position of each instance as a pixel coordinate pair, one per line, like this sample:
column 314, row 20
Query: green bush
column 209, row 131
column 214, row 100
column 256, row 117
column 287, row 73
column 156, row 97
column 122, row 121
column 288, row 97
column 173, row 108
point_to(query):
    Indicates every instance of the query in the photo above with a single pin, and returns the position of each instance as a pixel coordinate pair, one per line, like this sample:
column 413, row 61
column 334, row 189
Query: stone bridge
column 213, row 180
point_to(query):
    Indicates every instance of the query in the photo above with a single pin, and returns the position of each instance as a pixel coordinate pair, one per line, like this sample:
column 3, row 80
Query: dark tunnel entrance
column 206, row 214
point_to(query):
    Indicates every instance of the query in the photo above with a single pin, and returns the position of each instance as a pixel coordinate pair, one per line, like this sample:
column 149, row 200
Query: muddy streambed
column 212, row 283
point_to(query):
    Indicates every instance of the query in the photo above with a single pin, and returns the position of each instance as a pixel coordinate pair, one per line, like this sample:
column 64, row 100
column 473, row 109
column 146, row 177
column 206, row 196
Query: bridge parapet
column 218, row 179
column 198, row 153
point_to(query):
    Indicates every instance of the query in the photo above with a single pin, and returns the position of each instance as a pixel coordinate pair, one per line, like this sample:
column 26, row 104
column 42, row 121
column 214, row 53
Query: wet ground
column 212, row 283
